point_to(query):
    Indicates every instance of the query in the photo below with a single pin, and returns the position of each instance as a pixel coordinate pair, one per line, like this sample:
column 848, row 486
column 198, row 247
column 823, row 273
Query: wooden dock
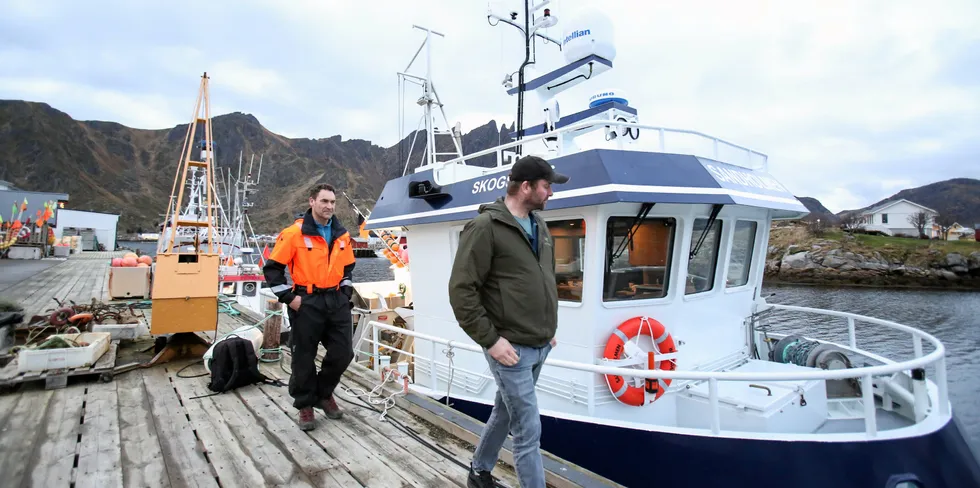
column 160, row 426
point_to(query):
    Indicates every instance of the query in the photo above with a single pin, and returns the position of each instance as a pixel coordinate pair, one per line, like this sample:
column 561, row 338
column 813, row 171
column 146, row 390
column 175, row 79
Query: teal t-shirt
column 530, row 229
column 324, row 231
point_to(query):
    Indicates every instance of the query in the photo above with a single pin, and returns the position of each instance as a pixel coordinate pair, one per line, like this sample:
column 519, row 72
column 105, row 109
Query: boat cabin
column 645, row 228
column 677, row 238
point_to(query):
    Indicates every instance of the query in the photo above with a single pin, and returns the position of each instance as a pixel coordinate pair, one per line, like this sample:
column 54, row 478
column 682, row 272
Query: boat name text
column 728, row 175
column 490, row 184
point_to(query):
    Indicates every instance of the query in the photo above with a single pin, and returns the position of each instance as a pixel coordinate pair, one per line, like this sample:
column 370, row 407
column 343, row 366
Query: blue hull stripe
column 596, row 177
column 637, row 458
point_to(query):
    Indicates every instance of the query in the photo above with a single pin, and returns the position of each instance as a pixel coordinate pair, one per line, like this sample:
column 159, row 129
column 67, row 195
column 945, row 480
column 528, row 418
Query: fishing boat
column 240, row 274
column 240, row 271
column 671, row 366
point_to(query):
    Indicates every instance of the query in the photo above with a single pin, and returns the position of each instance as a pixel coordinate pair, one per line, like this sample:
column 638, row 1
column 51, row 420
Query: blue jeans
column 515, row 409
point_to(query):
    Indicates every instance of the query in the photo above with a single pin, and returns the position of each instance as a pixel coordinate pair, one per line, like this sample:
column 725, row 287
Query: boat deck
column 157, row 427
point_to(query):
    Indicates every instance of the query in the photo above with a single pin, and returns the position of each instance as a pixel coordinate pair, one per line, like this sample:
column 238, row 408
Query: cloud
column 851, row 100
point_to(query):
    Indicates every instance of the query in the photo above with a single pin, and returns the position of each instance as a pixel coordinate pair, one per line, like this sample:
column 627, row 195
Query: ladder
column 185, row 283
column 192, row 213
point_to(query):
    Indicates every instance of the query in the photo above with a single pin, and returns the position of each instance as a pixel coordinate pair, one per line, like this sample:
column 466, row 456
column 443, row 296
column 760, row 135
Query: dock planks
column 153, row 427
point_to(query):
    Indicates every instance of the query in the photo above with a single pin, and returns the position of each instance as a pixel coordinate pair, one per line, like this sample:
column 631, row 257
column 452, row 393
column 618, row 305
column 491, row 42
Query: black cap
column 532, row 168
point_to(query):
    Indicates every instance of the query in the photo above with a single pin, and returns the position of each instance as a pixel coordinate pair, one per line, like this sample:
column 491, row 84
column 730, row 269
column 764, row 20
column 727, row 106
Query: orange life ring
column 616, row 348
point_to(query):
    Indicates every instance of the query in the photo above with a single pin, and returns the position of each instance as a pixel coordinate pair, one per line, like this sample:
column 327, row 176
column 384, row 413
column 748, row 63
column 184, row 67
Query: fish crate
column 125, row 282
column 97, row 343
column 105, row 367
column 128, row 331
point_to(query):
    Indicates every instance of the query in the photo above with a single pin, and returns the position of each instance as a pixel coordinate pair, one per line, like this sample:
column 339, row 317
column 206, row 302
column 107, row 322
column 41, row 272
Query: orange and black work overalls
column 321, row 273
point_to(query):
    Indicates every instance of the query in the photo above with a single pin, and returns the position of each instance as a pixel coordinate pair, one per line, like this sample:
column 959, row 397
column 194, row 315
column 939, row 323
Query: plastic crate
column 65, row 358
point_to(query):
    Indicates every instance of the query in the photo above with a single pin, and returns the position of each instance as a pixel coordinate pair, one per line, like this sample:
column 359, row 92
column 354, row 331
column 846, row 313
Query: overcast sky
column 852, row 100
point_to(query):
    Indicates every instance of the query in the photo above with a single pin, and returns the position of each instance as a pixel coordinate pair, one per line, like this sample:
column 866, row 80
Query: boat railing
column 915, row 367
column 717, row 144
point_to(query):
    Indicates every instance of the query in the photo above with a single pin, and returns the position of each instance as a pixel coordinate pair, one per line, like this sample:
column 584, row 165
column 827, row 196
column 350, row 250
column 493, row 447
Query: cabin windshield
column 743, row 244
column 569, row 246
column 641, row 269
column 701, row 267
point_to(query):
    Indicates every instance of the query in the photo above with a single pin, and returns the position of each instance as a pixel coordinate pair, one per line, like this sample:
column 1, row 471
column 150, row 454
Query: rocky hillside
column 795, row 255
column 958, row 197
column 818, row 211
column 107, row 167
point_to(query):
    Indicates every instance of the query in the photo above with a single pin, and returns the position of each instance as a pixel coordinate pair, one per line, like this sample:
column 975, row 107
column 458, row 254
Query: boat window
column 640, row 269
column 229, row 288
column 743, row 244
column 701, row 266
column 569, row 246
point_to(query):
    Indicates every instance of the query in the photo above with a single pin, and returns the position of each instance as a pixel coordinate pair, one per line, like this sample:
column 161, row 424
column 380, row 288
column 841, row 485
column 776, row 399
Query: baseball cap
column 531, row 168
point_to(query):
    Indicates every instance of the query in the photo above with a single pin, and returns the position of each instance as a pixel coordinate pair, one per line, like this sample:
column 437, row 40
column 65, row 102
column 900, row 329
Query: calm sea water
column 952, row 317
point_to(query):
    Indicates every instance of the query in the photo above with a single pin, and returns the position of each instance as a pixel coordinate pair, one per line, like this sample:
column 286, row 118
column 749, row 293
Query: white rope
column 452, row 371
column 375, row 396
column 653, row 340
column 644, row 322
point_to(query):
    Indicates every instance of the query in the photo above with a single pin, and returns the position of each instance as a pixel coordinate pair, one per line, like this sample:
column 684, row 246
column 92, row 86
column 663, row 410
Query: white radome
column 586, row 32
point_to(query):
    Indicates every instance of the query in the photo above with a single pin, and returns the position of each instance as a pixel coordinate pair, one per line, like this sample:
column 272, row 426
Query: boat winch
column 798, row 350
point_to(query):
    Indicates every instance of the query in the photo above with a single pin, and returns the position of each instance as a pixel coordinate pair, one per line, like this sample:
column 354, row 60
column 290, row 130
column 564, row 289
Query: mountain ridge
column 105, row 166
column 958, row 197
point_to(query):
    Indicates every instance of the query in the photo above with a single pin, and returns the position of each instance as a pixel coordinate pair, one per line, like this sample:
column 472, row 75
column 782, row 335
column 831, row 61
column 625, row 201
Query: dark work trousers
column 323, row 318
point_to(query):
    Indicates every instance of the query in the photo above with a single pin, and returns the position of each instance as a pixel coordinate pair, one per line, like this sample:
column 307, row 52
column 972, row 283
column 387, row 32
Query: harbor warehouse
column 95, row 228
column 12, row 201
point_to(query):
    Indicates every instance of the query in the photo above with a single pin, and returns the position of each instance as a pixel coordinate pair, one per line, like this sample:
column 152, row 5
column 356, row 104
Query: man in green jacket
column 504, row 295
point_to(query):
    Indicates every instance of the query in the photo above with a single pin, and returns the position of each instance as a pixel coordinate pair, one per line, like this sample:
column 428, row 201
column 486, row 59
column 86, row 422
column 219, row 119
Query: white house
column 955, row 232
column 101, row 226
column 893, row 218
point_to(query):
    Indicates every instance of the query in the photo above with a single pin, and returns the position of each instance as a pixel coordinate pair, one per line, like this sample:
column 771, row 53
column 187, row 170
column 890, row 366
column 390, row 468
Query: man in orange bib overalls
column 317, row 249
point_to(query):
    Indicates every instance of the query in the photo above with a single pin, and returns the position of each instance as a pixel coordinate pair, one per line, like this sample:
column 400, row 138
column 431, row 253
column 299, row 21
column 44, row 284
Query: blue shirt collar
column 324, row 230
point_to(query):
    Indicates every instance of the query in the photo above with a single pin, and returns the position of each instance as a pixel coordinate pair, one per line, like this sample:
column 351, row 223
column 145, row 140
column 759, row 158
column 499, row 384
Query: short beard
column 320, row 214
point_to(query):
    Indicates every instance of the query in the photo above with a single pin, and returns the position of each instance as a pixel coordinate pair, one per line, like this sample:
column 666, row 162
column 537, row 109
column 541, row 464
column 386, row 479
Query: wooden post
column 44, row 240
column 270, row 332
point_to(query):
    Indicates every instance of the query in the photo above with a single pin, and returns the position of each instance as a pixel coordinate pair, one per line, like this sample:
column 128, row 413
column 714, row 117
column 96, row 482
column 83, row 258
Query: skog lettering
column 490, row 184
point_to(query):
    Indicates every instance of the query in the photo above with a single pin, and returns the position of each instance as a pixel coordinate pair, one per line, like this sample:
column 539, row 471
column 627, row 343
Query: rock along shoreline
column 796, row 256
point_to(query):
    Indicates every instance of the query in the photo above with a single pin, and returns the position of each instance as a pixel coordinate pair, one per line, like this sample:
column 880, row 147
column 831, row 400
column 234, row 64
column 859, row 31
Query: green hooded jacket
column 498, row 287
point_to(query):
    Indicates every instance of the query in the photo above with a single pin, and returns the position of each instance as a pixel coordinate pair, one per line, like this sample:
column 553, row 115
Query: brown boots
column 307, row 420
column 329, row 407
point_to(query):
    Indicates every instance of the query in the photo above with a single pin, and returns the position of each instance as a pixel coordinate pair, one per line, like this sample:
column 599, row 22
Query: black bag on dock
column 234, row 364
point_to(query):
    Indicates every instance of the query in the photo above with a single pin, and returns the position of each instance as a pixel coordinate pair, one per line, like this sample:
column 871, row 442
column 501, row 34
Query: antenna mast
column 429, row 98
column 529, row 30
